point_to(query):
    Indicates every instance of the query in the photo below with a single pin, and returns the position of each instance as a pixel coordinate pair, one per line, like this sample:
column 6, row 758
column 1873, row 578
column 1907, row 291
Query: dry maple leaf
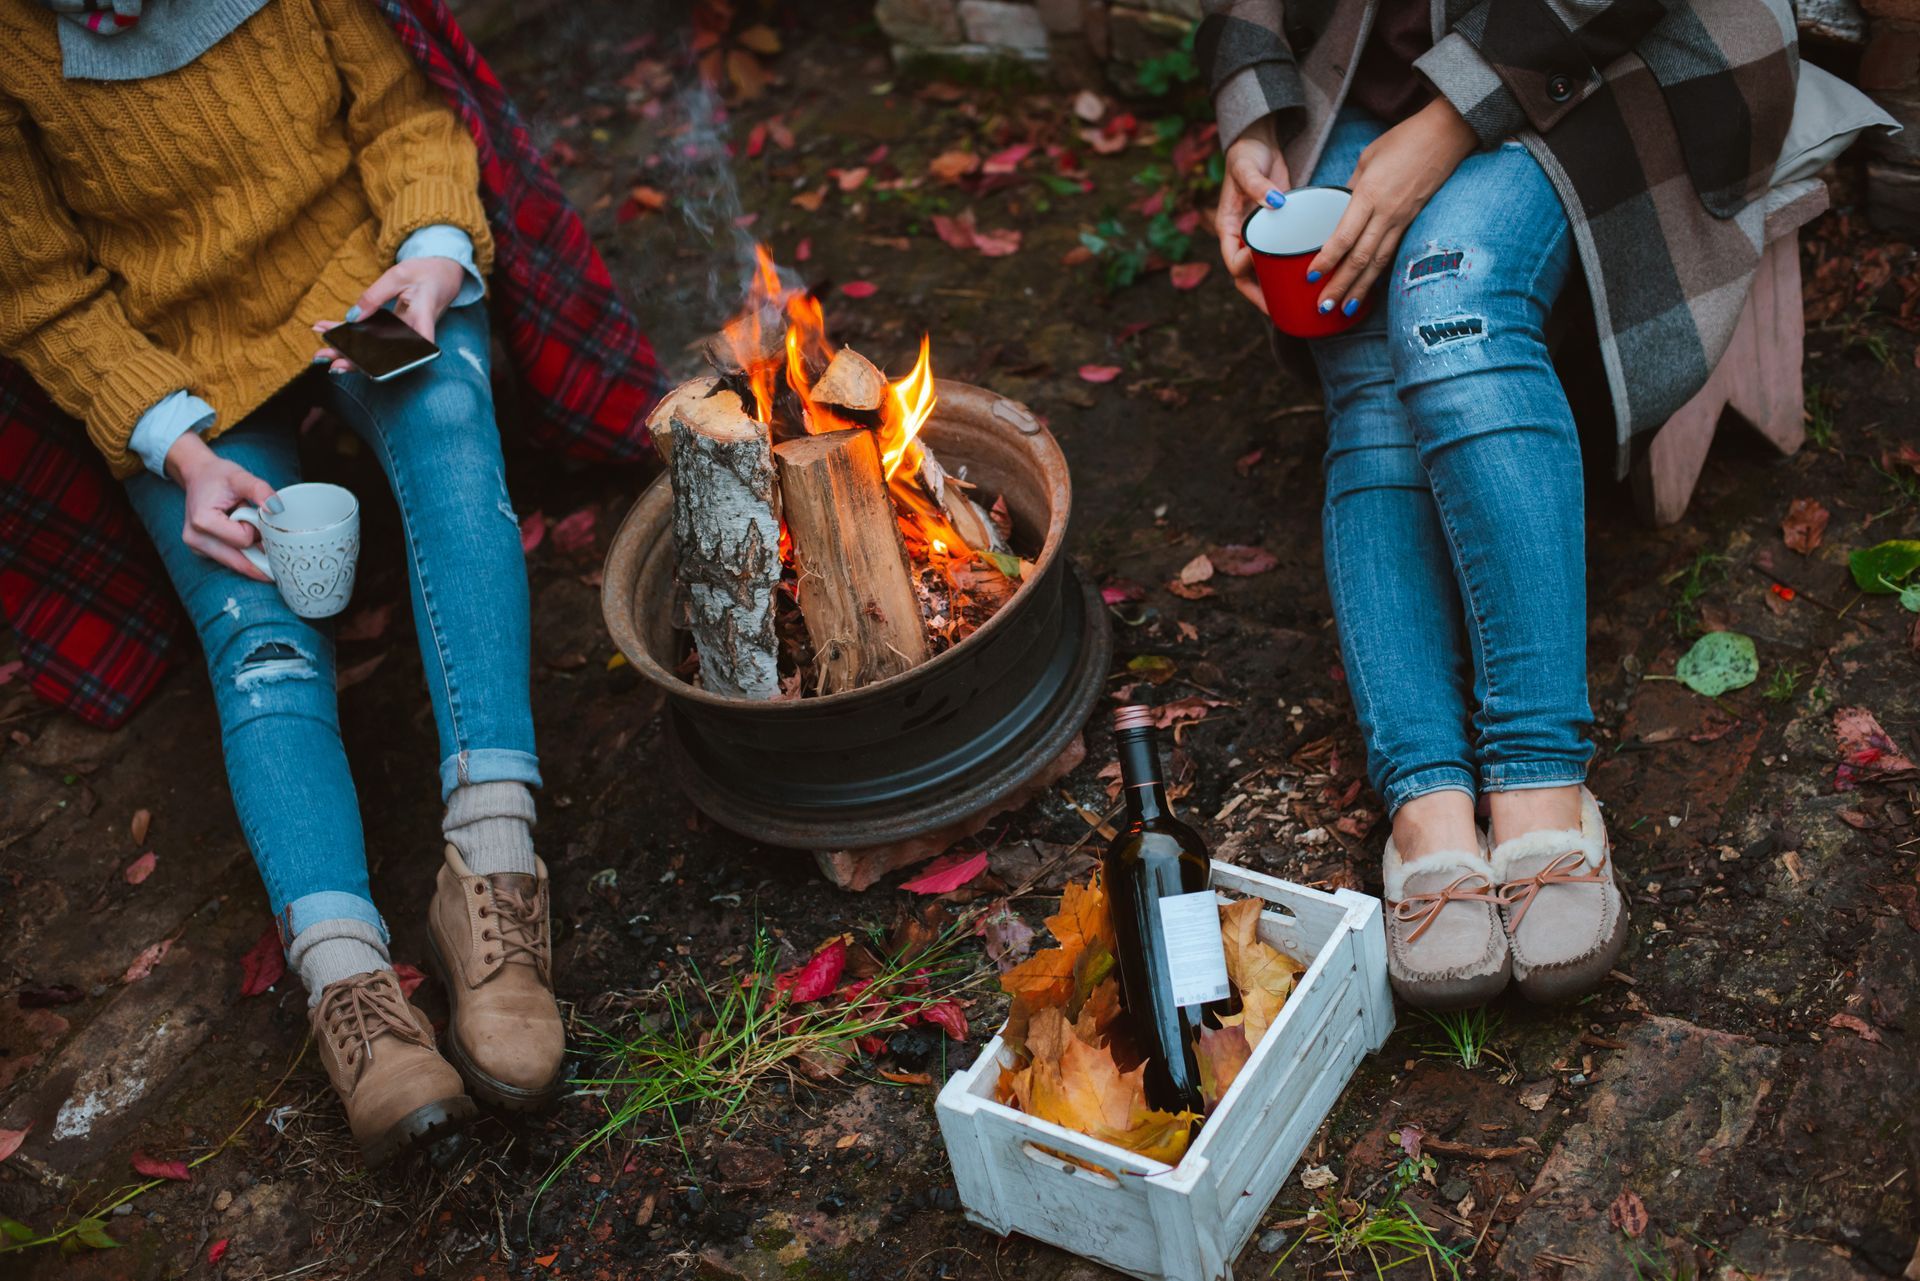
column 1805, row 525
column 1262, row 975
column 1078, row 1086
column 1221, row 1053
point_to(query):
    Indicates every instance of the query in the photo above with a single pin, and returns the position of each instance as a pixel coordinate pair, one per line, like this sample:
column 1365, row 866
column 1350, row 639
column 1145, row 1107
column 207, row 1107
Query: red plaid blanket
column 96, row 618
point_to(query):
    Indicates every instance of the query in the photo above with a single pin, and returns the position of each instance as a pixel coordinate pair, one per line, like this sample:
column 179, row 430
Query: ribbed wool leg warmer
column 328, row 951
column 491, row 824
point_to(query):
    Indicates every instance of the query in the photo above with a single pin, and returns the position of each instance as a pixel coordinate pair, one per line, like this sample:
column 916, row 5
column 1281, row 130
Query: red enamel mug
column 1284, row 241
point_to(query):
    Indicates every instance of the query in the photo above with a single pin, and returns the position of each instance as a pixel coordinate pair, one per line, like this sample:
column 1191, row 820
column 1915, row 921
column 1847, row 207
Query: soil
column 1745, row 1077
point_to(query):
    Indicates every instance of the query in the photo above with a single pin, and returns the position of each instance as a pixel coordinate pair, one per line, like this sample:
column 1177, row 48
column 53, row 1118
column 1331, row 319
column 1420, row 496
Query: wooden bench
column 1758, row 379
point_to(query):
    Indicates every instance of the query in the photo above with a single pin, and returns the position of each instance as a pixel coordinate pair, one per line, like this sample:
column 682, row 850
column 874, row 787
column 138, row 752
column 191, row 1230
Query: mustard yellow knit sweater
column 186, row 230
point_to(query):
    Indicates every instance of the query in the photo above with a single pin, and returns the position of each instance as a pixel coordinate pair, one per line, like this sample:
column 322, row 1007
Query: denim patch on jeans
column 1454, row 521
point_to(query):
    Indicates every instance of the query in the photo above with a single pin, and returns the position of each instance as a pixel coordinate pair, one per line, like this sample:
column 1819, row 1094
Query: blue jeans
column 273, row 671
column 1454, row 523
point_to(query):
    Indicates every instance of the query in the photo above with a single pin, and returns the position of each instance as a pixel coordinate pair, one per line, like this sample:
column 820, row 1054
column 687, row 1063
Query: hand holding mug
column 1256, row 177
column 215, row 486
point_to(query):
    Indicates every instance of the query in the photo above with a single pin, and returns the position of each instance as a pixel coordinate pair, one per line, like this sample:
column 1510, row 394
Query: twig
column 1797, row 592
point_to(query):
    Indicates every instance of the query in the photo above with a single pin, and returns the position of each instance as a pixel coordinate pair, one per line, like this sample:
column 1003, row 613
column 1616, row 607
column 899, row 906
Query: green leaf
column 93, row 1232
column 1063, row 187
column 1910, row 598
column 1008, row 565
column 15, row 1229
column 1881, row 569
column 1718, row 662
column 1156, row 668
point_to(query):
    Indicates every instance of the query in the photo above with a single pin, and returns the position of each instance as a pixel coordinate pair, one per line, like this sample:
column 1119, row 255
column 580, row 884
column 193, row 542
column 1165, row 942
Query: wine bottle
column 1173, row 968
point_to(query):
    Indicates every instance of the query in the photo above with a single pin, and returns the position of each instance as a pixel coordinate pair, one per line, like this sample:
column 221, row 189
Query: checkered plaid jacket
column 1659, row 122
column 94, row 614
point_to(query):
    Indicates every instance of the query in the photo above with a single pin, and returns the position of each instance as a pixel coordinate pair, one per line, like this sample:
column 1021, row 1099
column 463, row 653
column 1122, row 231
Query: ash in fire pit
column 822, row 545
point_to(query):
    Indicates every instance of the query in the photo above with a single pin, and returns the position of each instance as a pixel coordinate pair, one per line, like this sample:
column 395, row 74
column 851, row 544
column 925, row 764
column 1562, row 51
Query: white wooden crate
column 1187, row 1222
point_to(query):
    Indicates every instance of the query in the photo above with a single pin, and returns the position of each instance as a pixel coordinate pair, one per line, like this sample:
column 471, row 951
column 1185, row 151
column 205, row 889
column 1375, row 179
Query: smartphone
column 382, row 345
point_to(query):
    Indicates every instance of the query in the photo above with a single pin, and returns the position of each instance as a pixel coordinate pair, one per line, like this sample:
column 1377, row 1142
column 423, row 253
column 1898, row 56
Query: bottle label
column 1196, row 958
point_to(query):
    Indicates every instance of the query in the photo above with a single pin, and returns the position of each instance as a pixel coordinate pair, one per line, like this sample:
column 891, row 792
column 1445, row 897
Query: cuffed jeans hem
column 1522, row 776
column 488, row 765
column 327, row 905
column 1438, row 778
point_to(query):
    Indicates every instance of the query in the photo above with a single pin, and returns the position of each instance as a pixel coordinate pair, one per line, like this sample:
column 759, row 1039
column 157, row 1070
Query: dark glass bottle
column 1164, row 940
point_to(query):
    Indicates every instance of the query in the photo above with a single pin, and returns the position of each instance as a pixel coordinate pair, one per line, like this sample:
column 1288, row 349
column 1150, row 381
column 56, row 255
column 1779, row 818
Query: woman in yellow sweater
column 189, row 189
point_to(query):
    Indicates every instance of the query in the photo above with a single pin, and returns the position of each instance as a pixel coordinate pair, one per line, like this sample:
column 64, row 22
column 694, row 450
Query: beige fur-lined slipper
column 1565, row 917
column 1446, row 948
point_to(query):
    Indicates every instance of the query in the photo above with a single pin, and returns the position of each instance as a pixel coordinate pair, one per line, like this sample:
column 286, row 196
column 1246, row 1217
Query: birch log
column 856, row 589
column 726, row 530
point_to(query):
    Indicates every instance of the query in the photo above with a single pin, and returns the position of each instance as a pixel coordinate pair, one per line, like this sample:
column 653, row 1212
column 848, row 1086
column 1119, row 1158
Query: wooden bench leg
column 1759, row 378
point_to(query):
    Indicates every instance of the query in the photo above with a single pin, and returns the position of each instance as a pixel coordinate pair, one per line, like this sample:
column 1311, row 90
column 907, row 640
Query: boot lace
column 1422, row 910
column 357, row 1012
column 517, row 926
column 1565, row 870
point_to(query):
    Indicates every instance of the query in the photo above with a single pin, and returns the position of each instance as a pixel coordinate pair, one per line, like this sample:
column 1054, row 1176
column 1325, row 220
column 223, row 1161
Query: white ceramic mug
column 311, row 546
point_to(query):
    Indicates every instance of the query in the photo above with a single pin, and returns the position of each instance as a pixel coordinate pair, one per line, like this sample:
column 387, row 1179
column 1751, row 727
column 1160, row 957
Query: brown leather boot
column 492, row 944
column 379, row 1053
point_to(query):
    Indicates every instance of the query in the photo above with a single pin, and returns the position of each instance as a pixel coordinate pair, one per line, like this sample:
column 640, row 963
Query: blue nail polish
column 1275, row 200
column 353, row 314
column 274, row 506
column 1312, row 276
column 1353, row 305
column 1326, row 305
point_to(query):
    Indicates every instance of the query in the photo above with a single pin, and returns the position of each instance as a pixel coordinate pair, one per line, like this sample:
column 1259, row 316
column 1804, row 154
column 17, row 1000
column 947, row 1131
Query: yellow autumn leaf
column 1263, row 975
column 1221, row 1053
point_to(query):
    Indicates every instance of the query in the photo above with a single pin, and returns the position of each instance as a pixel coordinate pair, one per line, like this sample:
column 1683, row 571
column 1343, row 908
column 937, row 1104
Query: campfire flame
column 908, row 405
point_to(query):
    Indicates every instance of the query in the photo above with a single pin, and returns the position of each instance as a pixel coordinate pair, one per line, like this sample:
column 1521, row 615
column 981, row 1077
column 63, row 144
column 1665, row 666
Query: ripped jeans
column 1454, row 524
column 273, row 671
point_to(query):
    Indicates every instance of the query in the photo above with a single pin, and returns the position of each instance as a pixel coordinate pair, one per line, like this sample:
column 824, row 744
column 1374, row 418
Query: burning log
column 749, row 341
column 726, row 530
column 660, row 421
column 855, row 584
column 851, row 384
column 968, row 518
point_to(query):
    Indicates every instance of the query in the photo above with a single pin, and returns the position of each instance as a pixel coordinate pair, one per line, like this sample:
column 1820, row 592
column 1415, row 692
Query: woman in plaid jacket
column 1494, row 148
column 195, row 193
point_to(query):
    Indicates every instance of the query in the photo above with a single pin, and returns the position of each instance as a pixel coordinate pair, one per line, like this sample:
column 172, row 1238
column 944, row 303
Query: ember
column 882, row 558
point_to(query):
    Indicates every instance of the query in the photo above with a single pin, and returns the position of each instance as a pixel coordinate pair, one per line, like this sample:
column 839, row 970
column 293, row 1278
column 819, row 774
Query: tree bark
column 726, row 529
column 856, row 588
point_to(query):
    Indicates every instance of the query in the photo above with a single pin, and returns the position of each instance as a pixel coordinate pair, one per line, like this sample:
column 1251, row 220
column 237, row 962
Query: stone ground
column 1746, row 1075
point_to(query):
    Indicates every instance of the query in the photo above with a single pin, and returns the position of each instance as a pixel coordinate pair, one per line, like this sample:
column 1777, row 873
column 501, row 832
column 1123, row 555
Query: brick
column 997, row 24
column 924, row 23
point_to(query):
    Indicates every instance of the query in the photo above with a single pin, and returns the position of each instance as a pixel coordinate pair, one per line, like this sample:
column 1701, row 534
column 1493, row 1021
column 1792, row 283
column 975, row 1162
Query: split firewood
column 855, row 585
column 968, row 518
column 751, row 339
column 660, row 421
column 851, row 383
column 726, row 530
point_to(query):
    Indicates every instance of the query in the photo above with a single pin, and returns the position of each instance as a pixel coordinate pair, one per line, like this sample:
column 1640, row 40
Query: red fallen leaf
column 1187, row 222
column 141, row 868
column 561, row 154
column 1805, row 525
column 143, row 964
column 810, row 200
column 369, row 623
column 1856, row 1025
column 1118, row 591
column 217, row 1251
column 533, row 529
column 263, row 964
column 1075, row 256
column 1906, row 455
column 1128, row 333
column 154, row 1168
column 1628, row 1213
column 1153, row 204
column 948, row 872
column 956, row 232
column 878, row 154
column 575, row 533
column 9, row 670
column 1008, row 160
column 817, row 977
column 803, row 250
column 1188, row 275
column 1105, row 142
column 859, row 289
column 997, row 244
column 850, row 179
column 948, row 1016
column 782, row 135
column 1246, row 462
column 952, row 166
column 10, row 1141
column 1189, row 591
column 756, row 141
column 1099, row 373
column 410, row 978
column 1242, row 561
column 872, row 1045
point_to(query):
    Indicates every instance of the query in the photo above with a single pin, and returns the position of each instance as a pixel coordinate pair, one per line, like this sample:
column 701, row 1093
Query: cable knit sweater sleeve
column 415, row 158
column 58, row 318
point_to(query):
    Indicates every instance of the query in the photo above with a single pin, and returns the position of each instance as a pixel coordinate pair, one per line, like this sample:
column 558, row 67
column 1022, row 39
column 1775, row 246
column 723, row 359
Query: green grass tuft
column 1465, row 1036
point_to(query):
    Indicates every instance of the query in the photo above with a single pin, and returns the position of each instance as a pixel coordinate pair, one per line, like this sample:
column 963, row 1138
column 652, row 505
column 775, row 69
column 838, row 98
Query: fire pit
column 924, row 751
